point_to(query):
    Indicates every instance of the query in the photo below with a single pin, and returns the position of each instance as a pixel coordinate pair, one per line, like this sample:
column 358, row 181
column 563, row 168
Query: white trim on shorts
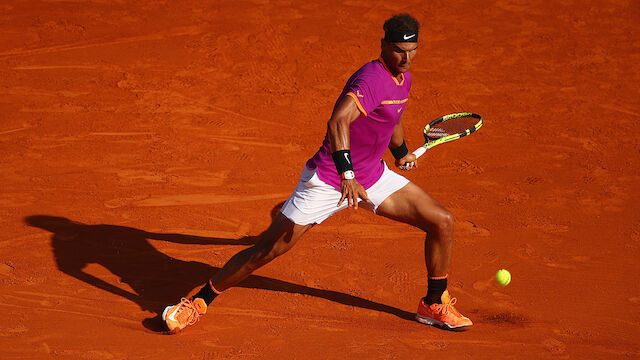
column 313, row 200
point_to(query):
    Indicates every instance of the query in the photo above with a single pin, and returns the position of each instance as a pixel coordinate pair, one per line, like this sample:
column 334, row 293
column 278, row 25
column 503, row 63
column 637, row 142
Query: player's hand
column 351, row 191
column 408, row 162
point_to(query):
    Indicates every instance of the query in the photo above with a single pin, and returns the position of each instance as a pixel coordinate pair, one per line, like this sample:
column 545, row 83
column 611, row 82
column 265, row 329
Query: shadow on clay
column 156, row 278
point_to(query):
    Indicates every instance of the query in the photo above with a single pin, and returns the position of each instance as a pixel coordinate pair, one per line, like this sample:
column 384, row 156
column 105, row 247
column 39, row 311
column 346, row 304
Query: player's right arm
column 338, row 129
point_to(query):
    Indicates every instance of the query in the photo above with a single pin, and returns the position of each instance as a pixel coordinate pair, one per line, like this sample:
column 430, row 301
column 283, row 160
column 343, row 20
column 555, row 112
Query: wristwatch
column 348, row 175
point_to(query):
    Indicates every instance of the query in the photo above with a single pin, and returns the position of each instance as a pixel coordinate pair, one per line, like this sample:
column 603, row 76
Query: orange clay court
column 144, row 143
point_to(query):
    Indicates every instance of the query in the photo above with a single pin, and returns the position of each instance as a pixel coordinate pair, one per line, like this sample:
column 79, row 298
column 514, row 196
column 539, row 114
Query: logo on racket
column 437, row 132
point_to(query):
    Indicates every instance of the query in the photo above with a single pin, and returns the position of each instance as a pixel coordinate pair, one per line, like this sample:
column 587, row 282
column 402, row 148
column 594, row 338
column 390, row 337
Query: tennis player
column 348, row 171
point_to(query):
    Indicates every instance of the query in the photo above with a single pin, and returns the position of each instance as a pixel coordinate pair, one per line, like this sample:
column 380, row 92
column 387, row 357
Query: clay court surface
column 144, row 143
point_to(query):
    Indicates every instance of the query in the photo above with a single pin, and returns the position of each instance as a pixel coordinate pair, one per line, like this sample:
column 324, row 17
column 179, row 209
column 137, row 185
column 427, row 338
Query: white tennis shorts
column 313, row 200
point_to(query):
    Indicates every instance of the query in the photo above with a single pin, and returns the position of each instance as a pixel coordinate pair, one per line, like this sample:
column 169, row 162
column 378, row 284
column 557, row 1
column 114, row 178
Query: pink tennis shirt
column 381, row 99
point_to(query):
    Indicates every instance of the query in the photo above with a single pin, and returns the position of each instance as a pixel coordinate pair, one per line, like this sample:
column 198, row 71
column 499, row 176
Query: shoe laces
column 192, row 312
column 446, row 308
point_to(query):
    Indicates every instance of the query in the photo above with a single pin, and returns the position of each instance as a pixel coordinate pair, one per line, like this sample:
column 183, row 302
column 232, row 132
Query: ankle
column 207, row 293
column 435, row 289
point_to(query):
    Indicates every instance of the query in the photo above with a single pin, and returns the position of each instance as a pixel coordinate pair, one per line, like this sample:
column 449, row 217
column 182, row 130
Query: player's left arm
column 399, row 149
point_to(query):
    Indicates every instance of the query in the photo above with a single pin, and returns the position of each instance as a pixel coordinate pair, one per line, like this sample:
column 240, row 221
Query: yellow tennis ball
column 503, row 277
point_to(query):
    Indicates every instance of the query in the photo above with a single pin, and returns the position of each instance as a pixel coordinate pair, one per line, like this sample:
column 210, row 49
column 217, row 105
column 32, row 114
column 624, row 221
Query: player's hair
column 401, row 23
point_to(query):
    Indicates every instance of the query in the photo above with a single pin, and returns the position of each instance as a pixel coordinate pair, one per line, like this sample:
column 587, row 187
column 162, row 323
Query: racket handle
column 419, row 151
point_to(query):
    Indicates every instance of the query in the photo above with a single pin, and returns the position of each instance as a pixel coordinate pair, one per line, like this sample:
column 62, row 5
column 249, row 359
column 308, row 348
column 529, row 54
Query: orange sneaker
column 443, row 315
column 187, row 312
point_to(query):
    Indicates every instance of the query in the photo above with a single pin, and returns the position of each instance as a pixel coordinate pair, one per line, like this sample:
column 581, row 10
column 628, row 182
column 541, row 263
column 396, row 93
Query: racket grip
column 419, row 151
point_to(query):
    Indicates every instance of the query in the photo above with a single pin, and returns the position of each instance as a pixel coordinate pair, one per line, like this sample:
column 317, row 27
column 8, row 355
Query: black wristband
column 342, row 159
column 400, row 152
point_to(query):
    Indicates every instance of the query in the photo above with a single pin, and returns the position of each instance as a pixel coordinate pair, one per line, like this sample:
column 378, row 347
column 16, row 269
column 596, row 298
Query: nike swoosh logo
column 346, row 157
column 408, row 37
column 172, row 316
column 358, row 93
column 399, row 109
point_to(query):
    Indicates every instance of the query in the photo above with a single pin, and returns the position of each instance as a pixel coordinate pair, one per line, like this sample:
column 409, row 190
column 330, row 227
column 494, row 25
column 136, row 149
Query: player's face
column 399, row 56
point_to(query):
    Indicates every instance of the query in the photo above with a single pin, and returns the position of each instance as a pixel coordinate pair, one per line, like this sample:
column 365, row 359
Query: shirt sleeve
column 366, row 95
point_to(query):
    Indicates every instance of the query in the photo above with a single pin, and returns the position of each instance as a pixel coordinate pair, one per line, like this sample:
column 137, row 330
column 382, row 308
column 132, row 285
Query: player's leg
column 312, row 202
column 278, row 239
column 412, row 205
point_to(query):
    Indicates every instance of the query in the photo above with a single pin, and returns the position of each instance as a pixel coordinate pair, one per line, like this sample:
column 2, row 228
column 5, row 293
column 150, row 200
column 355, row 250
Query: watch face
column 348, row 175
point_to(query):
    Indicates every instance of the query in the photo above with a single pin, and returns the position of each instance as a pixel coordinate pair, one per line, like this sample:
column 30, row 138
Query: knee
column 445, row 222
column 279, row 249
column 440, row 222
column 272, row 251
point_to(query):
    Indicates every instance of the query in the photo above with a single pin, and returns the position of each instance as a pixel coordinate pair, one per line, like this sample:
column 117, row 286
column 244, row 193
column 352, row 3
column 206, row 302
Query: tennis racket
column 447, row 128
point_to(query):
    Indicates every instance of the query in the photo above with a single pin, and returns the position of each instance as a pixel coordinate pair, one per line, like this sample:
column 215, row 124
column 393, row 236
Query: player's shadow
column 158, row 279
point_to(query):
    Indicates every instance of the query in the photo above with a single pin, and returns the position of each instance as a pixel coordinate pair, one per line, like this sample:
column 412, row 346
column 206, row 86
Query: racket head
column 451, row 127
